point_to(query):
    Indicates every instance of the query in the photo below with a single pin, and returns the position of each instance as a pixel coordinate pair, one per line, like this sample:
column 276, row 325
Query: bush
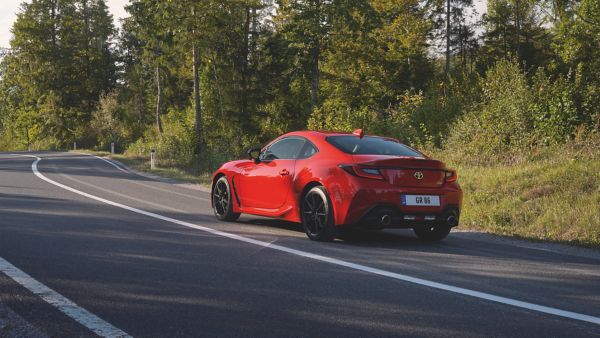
column 555, row 113
column 107, row 121
column 175, row 147
column 501, row 123
column 394, row 121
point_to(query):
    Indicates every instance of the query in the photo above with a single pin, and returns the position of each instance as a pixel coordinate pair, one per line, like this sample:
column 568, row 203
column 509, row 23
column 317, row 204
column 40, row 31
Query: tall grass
column 551, row 193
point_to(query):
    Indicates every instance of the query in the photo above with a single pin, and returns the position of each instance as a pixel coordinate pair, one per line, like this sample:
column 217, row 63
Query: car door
column 267, row 184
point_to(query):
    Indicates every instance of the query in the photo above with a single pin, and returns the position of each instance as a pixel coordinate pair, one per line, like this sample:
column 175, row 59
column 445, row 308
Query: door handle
column 284, row 172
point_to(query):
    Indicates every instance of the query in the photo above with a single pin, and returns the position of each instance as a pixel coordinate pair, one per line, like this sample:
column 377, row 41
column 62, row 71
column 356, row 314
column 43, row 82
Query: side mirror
column 256, row 158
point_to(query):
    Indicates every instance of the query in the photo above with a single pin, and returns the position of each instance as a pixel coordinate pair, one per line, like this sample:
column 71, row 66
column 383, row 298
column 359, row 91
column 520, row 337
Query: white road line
column 98, row 157
column 335, row 261
column 66, row 306
column 111, row 163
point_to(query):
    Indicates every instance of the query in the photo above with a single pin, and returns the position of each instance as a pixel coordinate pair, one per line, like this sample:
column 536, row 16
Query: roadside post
column 74, row 145
column 152, row 159
column 112, row 148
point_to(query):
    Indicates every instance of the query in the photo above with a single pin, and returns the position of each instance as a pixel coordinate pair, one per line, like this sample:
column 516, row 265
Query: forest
column 202, row 81
column 207, row 79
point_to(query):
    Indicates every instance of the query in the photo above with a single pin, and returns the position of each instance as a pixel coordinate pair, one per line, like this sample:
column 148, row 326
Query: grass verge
column 557, row 201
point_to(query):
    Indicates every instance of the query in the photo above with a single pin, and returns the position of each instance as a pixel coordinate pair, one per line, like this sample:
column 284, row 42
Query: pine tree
column 63, row 61
column 514, row 28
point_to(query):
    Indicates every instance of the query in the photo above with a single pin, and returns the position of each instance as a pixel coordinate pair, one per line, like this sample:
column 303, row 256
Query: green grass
column 557, row 201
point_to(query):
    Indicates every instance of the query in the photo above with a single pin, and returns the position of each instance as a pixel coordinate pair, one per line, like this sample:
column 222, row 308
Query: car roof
column 322, row 134
column 317, row 133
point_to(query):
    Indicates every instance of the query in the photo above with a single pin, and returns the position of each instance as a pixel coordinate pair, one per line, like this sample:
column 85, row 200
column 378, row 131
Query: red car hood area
column 406, row 171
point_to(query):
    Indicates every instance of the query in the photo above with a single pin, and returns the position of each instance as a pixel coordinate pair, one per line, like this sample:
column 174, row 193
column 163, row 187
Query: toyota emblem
column 419, row 175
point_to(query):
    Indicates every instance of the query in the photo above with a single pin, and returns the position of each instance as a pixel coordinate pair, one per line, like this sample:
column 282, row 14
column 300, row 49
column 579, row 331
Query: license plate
column 421, row 200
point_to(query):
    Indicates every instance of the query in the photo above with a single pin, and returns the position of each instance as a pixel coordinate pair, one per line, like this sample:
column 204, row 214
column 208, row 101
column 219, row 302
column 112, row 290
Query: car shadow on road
column 388, row 238
column 404, row 239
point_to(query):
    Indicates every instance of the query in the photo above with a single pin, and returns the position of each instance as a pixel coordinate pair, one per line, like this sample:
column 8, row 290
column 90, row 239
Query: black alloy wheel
column 222, row 201
column 317, row 215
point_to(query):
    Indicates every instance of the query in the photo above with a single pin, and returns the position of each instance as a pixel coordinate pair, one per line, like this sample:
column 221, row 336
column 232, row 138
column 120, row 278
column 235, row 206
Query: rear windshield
column 371, row 145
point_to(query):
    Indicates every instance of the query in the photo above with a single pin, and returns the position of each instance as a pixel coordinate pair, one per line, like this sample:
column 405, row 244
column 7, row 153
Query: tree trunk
column 518, row 27
column 53, row 17
column 158, row 100
column 140, row 107
column 244, row 95
column 314, row 92
column 447, row 36
column 254, row 24
column 197, row 107
column 461, row 46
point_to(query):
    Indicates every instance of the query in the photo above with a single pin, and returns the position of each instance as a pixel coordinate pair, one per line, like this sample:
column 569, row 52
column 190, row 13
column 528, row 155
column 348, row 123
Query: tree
column 514, row 28
column 107, row 120
column 460, row 35
column 63, row 60
column 577, row 43
column 306, row 24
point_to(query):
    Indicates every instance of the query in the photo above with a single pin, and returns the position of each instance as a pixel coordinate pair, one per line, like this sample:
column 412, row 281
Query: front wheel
column 317, row 215
column 222, row 201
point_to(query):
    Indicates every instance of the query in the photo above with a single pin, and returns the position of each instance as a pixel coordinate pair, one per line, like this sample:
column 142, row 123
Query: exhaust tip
column 451, row 220
column 385, row 220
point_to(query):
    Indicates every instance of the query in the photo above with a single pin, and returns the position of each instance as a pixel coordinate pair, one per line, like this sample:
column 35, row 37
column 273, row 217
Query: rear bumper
column 364, row 202
column 385, row 216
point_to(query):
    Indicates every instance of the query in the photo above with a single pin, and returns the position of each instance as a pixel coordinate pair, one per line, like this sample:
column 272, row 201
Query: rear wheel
column 222, row 201
column 317, row 215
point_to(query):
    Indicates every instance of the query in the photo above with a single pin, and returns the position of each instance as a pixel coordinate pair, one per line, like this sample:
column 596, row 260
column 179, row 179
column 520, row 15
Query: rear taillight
column 362, row 171
column 451, row 176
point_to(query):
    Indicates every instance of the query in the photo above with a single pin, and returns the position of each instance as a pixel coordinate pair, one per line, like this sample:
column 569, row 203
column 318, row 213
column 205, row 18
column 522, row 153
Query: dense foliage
column 200, row 81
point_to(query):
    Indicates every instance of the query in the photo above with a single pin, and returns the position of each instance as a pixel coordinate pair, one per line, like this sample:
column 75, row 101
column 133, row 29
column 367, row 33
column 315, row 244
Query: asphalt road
column 150, row 277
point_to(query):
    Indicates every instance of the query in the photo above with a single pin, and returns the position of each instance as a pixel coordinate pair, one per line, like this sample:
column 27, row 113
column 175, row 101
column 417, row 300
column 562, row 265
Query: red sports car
column 331, row 181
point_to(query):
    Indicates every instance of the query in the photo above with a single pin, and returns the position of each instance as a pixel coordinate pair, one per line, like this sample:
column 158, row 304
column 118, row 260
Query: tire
column 433, row 233
column 222, row 201
column 317, row 215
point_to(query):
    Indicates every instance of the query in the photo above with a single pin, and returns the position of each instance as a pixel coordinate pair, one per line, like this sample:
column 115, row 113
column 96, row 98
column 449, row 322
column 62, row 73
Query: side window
column 284, row 149
column 308, row 150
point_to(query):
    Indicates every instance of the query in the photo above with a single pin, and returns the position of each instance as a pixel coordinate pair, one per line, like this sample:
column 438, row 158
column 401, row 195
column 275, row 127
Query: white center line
column 335, row 261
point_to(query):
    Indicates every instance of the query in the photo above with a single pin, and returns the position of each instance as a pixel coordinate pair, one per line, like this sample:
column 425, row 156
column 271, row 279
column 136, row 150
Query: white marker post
column 152, row 159
column 74, row 145
column 112, row 148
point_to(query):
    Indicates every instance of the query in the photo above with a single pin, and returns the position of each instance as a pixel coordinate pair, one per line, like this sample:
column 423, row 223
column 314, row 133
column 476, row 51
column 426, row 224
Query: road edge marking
column 112, row 163
column 60, row 302
column 334, row 261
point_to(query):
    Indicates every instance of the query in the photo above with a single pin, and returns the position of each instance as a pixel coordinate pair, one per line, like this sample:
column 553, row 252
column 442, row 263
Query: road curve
column 148, row 276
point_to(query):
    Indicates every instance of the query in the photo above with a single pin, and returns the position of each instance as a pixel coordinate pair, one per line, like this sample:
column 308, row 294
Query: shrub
column 501, row 123
column 175, row 147
column 555, row 113
column 396, row 121
column 106, row 120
